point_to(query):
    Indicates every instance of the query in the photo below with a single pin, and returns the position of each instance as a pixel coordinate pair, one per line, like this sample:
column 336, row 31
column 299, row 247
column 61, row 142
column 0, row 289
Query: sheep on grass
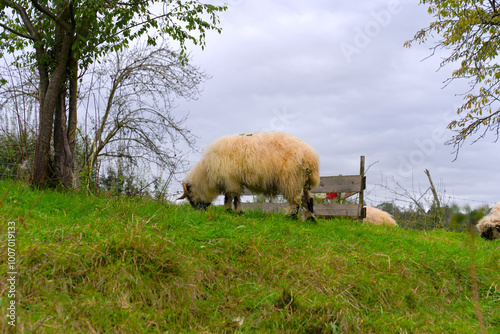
column 268, row 163
column 378, row 217
column 489, row 225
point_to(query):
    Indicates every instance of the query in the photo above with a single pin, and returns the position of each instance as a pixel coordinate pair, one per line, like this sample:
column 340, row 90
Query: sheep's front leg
column 228, row 202
column 237, row 205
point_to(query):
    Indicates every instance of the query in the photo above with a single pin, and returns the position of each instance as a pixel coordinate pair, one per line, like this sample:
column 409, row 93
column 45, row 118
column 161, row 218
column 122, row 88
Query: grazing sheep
column 489, row 225
column 268, row 163
column 378, row 217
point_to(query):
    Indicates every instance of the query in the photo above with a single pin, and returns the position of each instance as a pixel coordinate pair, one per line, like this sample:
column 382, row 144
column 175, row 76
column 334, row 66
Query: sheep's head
column 193, row 199
column 491, row 231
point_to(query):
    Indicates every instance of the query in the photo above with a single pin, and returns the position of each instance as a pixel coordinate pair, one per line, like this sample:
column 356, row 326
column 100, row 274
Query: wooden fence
column 328, row 184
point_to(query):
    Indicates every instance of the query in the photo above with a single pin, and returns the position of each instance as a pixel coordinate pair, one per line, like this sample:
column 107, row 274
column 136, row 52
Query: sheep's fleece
column 378, row 217
column 268, row 163
column 489, row 225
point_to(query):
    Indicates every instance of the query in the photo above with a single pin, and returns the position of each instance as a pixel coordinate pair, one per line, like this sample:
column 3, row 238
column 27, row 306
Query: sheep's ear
column 498, row 227
column 185, row 188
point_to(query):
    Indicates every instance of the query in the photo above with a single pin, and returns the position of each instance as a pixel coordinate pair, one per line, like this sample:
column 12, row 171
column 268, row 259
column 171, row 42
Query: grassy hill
column 90, row 264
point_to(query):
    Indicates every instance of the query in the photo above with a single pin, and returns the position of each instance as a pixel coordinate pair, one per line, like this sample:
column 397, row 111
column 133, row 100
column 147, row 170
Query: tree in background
column 60, row 39
column 470, row 30
column 127, row 99
column 134, row 91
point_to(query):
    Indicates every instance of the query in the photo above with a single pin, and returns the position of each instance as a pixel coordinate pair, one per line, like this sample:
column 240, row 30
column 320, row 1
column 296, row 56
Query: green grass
column 116, row 265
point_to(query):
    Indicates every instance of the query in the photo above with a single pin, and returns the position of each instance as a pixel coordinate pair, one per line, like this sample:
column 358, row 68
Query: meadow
column 102, row 264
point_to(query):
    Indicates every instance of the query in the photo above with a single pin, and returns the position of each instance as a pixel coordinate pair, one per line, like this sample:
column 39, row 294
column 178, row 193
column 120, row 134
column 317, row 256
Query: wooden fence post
column 361, row 209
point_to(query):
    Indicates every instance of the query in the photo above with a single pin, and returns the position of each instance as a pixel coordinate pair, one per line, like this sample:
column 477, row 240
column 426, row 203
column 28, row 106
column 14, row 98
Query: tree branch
column 65, row 25
column 16, row 32
column 26, row 20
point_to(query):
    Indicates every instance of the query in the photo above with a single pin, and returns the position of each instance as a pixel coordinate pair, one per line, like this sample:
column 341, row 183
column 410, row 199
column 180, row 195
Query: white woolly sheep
column 489, row 225
column 268, row 163
column 378, row 217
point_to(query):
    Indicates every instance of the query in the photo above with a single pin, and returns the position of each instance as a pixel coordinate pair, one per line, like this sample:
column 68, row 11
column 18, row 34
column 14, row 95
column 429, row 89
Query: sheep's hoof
column 231, row 211
column 311, row 218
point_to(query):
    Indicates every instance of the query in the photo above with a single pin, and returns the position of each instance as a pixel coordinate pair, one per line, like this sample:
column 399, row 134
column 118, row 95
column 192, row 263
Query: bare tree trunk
column 63, row 154
column 46, row 120
column 50, row 105
column 439, row 211
column 63, row 159
column 433, row 189
column 72, row 109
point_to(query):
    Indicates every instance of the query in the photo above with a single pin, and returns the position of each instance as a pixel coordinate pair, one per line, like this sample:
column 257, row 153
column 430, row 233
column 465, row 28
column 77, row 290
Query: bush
column 15, row 153
column 449, row 217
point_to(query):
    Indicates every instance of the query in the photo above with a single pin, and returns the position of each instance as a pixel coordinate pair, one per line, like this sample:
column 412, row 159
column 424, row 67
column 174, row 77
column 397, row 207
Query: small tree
column 470, row 31
column 137, row 89
column 426, row 205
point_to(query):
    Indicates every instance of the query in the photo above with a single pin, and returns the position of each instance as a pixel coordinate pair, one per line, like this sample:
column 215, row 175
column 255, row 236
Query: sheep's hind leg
column 293, row 207
column 293, row 211
column 308, row 205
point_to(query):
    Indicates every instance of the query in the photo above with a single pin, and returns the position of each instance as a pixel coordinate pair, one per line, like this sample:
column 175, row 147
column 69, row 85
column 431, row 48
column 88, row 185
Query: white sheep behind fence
column 378, row 217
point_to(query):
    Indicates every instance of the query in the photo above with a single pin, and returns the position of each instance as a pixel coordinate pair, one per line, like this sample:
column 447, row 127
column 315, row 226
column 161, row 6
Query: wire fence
column 376, row 198
column 11, row 170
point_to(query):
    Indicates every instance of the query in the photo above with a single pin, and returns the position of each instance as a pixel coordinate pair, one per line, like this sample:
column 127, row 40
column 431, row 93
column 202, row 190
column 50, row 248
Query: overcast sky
column 336, row 74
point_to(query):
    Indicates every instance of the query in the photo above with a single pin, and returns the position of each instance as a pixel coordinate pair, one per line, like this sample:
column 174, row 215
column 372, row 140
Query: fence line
column 369, row 195
column 393, row 199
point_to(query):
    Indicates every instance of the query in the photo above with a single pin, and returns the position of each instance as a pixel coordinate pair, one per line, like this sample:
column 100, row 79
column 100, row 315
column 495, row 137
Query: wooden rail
column 328, row 184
